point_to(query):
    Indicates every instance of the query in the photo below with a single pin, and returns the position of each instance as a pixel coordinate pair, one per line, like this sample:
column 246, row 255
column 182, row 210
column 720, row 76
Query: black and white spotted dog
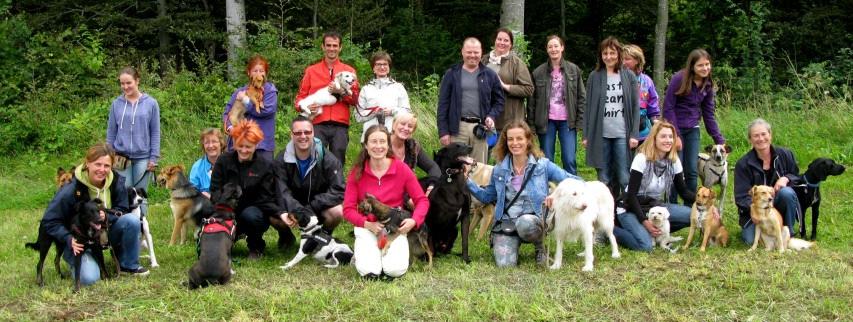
column 136, row 197
column 321, row 245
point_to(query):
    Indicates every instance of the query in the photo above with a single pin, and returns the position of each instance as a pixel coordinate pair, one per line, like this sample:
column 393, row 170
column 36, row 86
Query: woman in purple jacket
column 690, row 95
column 257, row 65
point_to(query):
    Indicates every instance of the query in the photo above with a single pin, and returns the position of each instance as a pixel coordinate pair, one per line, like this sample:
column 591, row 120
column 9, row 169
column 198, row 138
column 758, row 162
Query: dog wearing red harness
column 215, row 240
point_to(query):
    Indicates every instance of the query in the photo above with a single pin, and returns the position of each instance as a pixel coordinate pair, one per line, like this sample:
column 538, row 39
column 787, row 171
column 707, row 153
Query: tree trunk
column 163, row 35
column 316, row 7
column 563, row 19
column 209, row 44
column 660, row 44
column 512, row 15
column 235, row 22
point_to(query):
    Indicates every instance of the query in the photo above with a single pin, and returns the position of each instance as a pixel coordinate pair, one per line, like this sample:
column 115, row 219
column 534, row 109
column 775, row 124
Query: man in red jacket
column 332, row 125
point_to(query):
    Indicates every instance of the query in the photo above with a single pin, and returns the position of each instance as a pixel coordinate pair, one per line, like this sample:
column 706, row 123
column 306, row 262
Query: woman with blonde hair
column 405, row 148
column 212, row 144
column 655, row 169
column 634, row 60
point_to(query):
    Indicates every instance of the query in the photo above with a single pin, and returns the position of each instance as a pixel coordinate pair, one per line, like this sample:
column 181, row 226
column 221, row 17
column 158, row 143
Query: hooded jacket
column 57, row 216
column 133, row 130
column 323, row 185
column 265, row 119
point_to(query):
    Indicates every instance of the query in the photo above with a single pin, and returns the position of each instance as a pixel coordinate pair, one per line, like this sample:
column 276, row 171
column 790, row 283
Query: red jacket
column 389, row 190
column 318, row 76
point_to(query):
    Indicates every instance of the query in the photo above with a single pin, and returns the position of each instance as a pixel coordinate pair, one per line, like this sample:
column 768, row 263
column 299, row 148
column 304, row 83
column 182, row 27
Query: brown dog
column 768, row 221
column 706, row 217
column 391, row 218
column 63, row 177
column 481, row 214
column 185, row 201
column 255, row 94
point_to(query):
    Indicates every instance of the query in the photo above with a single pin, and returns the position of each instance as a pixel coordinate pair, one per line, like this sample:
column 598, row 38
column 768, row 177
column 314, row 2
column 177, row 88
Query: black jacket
column 323, row 186
column 57, row 216
column 750, row 172
column 416, row 156
column 258, row 182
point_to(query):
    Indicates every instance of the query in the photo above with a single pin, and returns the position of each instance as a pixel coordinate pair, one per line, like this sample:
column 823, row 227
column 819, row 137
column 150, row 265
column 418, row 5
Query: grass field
column 722, row 284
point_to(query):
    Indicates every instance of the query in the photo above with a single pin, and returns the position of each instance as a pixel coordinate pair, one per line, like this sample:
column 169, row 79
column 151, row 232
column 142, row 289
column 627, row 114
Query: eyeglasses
column 302, row 133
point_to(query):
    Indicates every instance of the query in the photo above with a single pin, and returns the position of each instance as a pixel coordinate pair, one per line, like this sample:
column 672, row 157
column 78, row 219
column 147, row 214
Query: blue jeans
column 252, row 222
column 505, row 247
column 633, row 235
column 124, row 238
column 615, row 162
column 689, row 156
column 135, row 175
column 787, row 204
column 568, row 144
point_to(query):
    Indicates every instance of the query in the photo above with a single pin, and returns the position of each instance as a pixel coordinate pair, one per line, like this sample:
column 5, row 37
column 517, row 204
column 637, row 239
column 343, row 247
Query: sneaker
column 254, row 255
column 139, row 271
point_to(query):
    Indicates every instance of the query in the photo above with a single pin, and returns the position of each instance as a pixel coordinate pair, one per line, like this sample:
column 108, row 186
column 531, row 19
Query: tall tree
column 235, row 25
column 512, row 15
column 660, row 43
column 163, row 35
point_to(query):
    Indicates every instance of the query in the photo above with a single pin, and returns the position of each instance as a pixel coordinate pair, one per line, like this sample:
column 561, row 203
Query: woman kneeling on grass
column 95, row 179
column 655, row 169
column 519, row 186
column 377, row 172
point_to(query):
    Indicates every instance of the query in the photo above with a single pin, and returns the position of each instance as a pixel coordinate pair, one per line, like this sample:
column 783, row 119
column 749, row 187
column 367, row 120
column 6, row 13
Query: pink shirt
column 557, row 103
column 388, row 189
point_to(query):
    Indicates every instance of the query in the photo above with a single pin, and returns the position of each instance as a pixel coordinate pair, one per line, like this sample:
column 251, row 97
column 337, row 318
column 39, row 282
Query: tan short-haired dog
column 707, row 218
column 768, row 221
column 481, row 214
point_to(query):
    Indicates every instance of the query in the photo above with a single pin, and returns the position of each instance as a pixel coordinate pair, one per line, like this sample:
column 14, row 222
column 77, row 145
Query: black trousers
column 335, row 136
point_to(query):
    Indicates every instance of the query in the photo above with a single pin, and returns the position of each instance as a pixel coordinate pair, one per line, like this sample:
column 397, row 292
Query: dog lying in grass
column 215, row 240
column 392, row 218
column 706, row 218
column 315, row 241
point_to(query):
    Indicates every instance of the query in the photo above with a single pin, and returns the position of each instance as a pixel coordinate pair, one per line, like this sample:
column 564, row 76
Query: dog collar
column 450, row 172
column 810, row 185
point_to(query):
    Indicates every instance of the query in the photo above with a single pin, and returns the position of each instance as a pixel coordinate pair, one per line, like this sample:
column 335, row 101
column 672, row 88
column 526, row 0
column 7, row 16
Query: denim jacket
column 537, row 188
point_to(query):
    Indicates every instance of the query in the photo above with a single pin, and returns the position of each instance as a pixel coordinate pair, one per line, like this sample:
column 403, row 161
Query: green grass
column 722, row 284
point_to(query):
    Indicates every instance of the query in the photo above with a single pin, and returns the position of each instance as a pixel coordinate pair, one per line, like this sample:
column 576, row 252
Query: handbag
column 506, row 226
column 120, row 162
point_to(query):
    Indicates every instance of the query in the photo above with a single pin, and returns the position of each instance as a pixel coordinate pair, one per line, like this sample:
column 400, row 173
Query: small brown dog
column 63, row 177
column 391, row 218
column 768, row 221
column 255, row 94
column 185, row 201
column 707, row 218
column 481, row 214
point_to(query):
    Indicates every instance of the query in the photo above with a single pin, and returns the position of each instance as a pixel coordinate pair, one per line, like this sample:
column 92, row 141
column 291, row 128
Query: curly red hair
column 247, row 130
column 257, row 60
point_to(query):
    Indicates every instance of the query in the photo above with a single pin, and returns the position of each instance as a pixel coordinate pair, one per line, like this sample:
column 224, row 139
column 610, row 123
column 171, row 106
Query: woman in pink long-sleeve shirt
column 378, row 173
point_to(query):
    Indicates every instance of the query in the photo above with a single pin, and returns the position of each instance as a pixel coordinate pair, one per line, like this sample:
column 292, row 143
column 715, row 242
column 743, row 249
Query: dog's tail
column 33, row 246
column 799, row 244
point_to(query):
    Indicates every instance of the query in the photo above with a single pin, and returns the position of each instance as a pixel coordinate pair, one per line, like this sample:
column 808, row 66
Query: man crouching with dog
column 312, row 174
column 95, row 179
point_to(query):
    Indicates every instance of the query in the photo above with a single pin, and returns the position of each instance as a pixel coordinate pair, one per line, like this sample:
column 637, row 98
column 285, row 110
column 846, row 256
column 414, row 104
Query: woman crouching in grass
column 378, row 173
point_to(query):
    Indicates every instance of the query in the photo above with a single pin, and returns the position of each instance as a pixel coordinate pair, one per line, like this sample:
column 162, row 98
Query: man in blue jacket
column 470, row 95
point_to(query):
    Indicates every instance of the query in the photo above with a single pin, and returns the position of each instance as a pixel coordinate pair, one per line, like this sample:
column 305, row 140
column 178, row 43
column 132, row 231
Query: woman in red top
column 377, row 172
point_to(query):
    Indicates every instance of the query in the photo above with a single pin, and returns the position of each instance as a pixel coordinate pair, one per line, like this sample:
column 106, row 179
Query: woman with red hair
column 264, row 116
column 256, row 178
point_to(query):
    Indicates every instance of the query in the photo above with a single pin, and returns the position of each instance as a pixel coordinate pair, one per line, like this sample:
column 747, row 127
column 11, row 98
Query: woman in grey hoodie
column 133, row 131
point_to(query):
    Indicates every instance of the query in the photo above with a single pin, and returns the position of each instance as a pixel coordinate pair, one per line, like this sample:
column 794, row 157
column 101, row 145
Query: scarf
column 662, row 169
column 494, row 59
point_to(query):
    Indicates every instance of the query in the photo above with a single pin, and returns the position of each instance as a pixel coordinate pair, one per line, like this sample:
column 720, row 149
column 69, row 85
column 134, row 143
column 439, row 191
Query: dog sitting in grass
column 215, row 240
column 707, row 219
column 769, row 227
column 659, row 216
column 391, row 219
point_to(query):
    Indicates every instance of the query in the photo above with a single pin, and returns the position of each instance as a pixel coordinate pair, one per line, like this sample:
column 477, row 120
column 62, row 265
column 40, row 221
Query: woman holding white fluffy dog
column 655, row 169
column 518, row 187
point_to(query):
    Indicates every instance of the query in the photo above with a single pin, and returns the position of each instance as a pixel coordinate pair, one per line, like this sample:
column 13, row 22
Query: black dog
column 86, row 228
column 450, row 200
column 808, row 192
column 215, row 240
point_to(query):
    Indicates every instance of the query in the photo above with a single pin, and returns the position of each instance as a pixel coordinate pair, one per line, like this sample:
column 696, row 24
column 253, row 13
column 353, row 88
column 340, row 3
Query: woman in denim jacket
column 520, row 159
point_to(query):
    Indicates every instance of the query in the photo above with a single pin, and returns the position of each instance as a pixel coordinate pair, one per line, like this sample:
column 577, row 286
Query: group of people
column 617, row 112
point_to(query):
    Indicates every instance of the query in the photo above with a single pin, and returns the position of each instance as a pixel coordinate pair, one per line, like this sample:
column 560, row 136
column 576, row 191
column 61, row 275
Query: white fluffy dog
column 578, row 210
column 343, row 81
column 659, row 216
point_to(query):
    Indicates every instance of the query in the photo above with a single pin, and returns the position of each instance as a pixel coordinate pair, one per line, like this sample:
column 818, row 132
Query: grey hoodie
column 133, row 130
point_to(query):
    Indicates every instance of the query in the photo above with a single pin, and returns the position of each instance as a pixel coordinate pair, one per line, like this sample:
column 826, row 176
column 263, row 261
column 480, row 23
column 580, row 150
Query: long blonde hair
column 649, row 149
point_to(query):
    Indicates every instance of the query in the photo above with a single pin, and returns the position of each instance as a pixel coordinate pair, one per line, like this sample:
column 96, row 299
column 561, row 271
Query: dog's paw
column 286, row 267
column 587, row 268
column 616, row 255
column 555, row 266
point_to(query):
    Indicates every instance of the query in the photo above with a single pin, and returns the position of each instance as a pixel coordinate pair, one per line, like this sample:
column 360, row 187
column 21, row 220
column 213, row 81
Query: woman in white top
column 654, row 171
column 382, row 97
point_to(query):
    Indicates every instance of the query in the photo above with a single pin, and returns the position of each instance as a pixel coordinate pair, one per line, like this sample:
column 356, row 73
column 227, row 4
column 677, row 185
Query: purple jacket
column 684, row 111
column 265, row 119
